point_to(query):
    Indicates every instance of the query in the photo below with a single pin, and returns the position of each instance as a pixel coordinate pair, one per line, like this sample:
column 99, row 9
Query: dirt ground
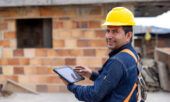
column 68, row 97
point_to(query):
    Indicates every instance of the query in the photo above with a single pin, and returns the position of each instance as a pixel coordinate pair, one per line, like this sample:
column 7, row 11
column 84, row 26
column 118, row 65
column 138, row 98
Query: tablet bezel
column 62, row 67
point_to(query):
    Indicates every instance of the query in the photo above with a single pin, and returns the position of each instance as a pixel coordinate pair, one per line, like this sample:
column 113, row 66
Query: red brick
column 68, row 24
column 94, row 24
column 51, row 53
column 60, row 52
column 89, row 62
column 83, row 43
column 97, row 10
column 4, row 43
column 89, row 34
column 18, row 70
column 3, row 26
column 64, row 18
column 54, row 79
column 24, row 61
column 8, row 12
column 41, row 70
column 3, row 62
column 13, row 61
column 9, row 35
column 100, row 34
column 46, row 61
column 58, row 43
column 35, row 61
column 51, row 11
column 18, row 52
column 98, row 43
column 11, row 25
column 58, row 24
column 58, row 62
column 101, row 52
column 75, row 53
column 69, row 52
column 89, row 52
column 40, row 52
column 70, row 61
column 30, row 70
column 77, row 33
column 81, row 24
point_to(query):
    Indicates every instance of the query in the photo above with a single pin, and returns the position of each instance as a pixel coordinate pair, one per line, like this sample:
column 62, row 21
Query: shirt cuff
column 94, row 76
column 71, row 87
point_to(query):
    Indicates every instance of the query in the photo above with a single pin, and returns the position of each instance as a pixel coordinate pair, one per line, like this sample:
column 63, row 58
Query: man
column 116, row 79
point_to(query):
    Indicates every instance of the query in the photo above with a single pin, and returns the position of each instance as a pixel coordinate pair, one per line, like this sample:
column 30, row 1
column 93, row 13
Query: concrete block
column 7, row 53
column 12, row 86
column 70, row 43
column 29, row 53
column 7, row 70
column 164, row 76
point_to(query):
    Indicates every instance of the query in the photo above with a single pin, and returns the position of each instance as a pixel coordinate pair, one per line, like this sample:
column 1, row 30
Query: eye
column 114, row 31
column 107, row 30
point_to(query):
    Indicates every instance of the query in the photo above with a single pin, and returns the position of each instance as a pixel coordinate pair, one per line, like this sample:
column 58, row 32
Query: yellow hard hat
column 119, row 16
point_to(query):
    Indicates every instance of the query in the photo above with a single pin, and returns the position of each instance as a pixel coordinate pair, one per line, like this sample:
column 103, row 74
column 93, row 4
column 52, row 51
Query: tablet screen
column 68, row 74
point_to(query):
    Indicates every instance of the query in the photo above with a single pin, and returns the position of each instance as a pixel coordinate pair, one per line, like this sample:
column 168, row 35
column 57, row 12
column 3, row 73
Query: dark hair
column 128, row 29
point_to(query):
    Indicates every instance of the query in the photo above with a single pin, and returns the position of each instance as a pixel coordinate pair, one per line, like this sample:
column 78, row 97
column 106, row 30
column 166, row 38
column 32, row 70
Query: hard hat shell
column 119, row 16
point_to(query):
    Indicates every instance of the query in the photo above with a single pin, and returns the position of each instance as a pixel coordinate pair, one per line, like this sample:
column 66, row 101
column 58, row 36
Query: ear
column 128, row 36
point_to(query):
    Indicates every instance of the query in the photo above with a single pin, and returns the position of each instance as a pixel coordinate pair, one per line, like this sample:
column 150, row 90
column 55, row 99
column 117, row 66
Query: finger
column 80, row 67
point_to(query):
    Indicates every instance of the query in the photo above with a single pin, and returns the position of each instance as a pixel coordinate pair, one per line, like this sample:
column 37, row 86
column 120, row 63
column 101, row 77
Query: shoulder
column 124, row 57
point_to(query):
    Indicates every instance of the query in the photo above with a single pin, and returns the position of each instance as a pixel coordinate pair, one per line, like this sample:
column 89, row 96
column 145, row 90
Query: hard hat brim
column 117, row 24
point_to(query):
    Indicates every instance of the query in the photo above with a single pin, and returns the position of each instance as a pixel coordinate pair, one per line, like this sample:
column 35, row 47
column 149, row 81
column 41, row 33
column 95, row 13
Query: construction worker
column 116, row 80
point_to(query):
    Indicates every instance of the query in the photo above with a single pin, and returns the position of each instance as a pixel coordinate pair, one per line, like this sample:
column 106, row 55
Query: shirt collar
column 113, row 52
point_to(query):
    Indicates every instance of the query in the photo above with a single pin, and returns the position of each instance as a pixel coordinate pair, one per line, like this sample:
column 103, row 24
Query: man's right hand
column 86, row 72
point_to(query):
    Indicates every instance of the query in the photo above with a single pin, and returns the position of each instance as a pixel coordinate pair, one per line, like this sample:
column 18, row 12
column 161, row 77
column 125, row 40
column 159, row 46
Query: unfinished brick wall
column 163, row 55
column 149, row 46
column 77, row 39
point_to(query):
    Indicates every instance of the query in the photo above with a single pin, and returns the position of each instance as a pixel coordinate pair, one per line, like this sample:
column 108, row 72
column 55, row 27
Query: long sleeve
column 94, row 76
column 103, row 85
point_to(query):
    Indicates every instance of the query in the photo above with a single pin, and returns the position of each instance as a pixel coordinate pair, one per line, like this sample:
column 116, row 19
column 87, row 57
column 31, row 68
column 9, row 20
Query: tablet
column 68, row 74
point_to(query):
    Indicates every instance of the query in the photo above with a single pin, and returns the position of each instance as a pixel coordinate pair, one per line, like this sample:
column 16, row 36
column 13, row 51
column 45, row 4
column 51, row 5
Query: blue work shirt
column 113, row 82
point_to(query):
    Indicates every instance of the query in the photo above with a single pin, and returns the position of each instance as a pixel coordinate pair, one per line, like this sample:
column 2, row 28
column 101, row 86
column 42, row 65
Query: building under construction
column 37, row 35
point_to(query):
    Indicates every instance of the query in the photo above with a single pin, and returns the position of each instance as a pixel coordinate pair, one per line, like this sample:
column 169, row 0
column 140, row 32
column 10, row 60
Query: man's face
column 116, row 37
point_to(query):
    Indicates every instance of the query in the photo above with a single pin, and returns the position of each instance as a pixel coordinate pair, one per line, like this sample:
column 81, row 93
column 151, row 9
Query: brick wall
column 77, row 39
